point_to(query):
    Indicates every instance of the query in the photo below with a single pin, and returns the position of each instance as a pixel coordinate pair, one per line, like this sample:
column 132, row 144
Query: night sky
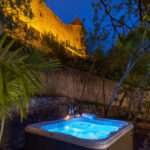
column 68, row 10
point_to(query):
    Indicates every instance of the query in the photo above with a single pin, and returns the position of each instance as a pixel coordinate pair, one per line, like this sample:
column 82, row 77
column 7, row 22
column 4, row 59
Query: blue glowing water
column 89, row 129
column 86, row 130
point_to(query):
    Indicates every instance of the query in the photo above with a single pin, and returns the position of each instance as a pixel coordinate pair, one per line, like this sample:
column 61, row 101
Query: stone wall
column 45, row 21
column 69, row 83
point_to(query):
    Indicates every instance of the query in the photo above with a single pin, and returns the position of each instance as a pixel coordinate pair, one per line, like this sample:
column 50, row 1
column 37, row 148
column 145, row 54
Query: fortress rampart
column 45, row 21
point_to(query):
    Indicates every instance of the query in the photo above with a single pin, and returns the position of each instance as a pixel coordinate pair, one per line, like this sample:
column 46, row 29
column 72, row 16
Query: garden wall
column 69, row 83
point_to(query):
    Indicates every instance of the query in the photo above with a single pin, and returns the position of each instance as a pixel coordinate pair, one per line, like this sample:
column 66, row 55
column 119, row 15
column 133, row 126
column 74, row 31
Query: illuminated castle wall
column 45, row 21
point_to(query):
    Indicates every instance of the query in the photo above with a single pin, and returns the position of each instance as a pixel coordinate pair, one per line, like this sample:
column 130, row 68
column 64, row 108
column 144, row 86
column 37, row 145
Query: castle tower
column 77, row 22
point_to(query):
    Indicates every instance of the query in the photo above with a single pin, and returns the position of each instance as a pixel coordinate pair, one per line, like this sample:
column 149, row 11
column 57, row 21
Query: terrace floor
column 142, row 136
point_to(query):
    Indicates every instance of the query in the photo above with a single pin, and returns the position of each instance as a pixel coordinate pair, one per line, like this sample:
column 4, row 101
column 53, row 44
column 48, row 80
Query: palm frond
column 3, row 40
column 19, row 78
column 6, row 48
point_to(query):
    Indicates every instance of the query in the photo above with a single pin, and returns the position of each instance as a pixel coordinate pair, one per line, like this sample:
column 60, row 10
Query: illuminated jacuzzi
column 82, row 133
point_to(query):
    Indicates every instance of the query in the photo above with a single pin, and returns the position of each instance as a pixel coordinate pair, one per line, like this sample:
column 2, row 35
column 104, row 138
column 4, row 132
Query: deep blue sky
column 68, row 10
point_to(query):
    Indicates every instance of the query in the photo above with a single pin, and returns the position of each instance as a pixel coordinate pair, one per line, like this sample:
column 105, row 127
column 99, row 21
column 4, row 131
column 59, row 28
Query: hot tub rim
column 88, row 143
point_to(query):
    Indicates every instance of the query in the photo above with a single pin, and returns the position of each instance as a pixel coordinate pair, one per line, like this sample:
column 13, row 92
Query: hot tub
column 82, row 133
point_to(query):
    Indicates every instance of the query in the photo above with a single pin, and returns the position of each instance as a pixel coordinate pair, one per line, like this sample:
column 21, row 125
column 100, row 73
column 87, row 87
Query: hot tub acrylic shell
column 39, row 138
